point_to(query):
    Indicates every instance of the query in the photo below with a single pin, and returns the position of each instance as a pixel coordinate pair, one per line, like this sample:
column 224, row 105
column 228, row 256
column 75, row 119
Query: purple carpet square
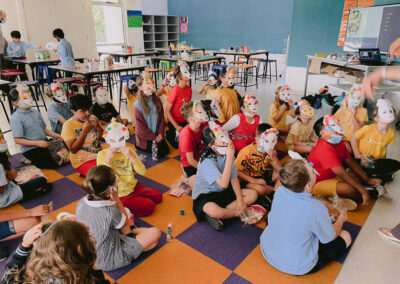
column 15, row 160
column 148, row 160
column 10, row 247
column 219, row 245
column 64, row 192
column 151, row 183
column 353, row 229
column 66, row 170
column 132, row 139
column 235, row 279
column 118, row 273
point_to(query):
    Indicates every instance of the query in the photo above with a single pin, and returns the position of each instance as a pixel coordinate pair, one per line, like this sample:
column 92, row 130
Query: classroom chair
column 243, row 75
column 13, row 75
column 202, row 68
column 35, row 90
column 267, row 65
column 40, row 77
column 218, row 69
column 165, row 66
column 124, row 78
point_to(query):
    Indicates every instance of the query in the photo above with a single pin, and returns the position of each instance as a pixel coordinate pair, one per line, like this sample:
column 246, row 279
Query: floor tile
column 353, row 230
column 66, row 170
column 256, row 270
column 169, row 210
column 361, row 214
column 165, row 267
column 165, row 173
column 228, row 247
column 52, row 175
column 235, row 279
column 76, row 178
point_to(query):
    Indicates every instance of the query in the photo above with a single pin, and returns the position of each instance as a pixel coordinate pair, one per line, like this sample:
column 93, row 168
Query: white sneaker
column 386, row 233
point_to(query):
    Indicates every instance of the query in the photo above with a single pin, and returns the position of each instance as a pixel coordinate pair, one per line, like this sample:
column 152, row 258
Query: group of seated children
column 227, row 152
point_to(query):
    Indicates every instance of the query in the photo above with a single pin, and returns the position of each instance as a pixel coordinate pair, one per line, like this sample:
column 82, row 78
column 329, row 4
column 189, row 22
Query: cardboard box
column 330, row 69
column 355, row 77
column 315, row 67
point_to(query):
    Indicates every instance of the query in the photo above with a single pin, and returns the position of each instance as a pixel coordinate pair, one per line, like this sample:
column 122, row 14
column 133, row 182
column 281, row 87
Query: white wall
column 13, row 18
column 134, row 36
column 155, row 7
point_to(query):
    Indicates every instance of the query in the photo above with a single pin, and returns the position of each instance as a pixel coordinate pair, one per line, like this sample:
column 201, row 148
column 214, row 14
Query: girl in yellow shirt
column 279, row 110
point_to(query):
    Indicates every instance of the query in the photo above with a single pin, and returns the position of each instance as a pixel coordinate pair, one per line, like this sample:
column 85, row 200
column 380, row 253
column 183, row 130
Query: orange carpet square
column 177, row 263
column 52, row 175
column 165, row 173
column 77, row 178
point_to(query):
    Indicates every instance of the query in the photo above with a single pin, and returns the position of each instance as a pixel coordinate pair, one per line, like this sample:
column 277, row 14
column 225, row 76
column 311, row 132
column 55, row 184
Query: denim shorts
column 6, row 229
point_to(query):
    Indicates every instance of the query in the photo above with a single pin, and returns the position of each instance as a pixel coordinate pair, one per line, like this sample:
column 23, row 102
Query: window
column 108, row 23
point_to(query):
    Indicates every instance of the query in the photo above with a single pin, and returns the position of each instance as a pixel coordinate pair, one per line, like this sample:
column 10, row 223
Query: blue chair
column 218, row 68
column 40, row 77
column 124, row 78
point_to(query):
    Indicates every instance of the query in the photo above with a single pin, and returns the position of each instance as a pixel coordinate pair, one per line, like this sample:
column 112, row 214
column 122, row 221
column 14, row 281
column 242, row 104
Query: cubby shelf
column 163, row 30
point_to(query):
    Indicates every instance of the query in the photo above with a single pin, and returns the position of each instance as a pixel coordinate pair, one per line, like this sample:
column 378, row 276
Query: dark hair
column 262, row 127
column 98, row 180
column 207, row 138
column 223, row 72
column 14, row 95
column 4, row 160
column 58, row 33
column 318, row 126
column 15, row 34
column 294, row 175
column 80, row 101
column 187, row 110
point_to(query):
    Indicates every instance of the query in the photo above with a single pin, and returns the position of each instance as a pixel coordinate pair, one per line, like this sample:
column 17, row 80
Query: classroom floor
column 197, row 253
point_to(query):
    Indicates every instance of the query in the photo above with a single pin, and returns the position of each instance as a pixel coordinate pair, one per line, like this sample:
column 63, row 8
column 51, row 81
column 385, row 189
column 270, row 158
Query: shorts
column 6, row 229
column 189, row 171
column 329, row 252
column 325, row 187
column 85, row 167
column 221, row 198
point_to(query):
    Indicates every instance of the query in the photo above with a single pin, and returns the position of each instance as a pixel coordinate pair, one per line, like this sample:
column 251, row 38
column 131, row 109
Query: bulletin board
column 134, row 19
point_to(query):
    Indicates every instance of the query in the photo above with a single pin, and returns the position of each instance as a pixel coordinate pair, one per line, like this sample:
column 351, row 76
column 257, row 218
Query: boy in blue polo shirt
column 29, row 129
column 17, row 47
column 58, row 111
column 64, row 49
column 300, row 237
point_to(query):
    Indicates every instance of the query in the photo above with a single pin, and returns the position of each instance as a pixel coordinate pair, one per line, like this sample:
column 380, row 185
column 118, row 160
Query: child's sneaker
column 377, row 191
column 387, row 234
column 215, row 223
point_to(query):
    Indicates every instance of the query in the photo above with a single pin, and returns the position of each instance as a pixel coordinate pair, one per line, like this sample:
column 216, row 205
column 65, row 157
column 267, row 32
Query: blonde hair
column 277, row 99
column 66, row 252
column 187, row 110
column 141, row 97
column 294, row 175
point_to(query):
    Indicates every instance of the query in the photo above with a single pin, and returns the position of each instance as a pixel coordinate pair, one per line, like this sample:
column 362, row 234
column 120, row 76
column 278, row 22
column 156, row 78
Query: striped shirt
column 114, row 250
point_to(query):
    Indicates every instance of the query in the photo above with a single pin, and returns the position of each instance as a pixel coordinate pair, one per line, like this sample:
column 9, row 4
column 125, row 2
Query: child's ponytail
column 98, row 180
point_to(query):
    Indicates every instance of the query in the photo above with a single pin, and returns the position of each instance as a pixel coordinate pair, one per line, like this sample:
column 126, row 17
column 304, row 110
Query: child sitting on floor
column 123, row 159
column 179, row 95
column 58, row 252
column 227, row 95
column 280, row 109
column 103, row 110
column 301, row 137
column 209, row 87
column 217, row 194
column 10, row 191
column 117, row 244
column 148, row 115
column 370, row 142
column 59, row 111
column 351, row 115
column 253, row 163
column 300, row 237
column 190, row 137
column 81, row 134
column 328, row 157
column 29, row 129
column 242, row 127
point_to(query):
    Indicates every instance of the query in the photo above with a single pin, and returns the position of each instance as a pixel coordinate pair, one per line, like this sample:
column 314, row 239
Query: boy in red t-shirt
column 328, row 157
column 189, row 138
column 179, row 95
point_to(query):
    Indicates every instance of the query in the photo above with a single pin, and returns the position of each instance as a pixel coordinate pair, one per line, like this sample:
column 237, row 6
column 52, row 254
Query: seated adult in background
column 17, row 47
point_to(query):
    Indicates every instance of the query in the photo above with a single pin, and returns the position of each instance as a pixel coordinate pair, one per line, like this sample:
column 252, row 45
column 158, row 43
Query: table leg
column 190, row 72
column 306, row 80
column 109, row 85
column 33, row 67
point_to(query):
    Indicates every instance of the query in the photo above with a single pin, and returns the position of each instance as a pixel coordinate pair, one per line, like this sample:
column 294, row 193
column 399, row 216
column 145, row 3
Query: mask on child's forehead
column 58, row 93
column 101, row 95
column 285, row 93
column 385, row 110
column 116, row 134
column 269, row 138
column 250, row 102
column 219, row 132
column 305, row 108
column 354, row 97
column 25, row 96
column 332, row 124
column 199, row 112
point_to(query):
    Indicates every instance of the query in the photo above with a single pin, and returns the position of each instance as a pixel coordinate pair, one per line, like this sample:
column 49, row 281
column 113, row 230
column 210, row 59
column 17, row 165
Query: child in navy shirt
column 300, row 237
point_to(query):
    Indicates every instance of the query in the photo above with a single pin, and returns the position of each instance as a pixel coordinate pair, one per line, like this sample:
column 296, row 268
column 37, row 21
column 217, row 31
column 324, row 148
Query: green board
column 135, row 21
